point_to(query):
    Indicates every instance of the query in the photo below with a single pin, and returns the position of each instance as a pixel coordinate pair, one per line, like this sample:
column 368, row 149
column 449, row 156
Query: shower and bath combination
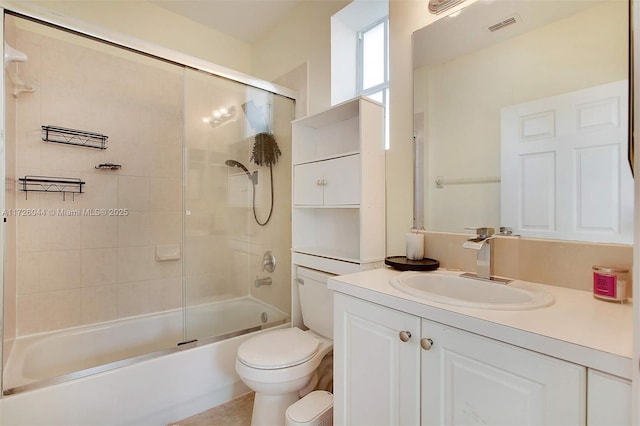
column 55, row 342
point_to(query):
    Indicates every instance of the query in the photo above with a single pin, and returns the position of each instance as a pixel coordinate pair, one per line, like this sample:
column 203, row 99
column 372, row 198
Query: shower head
column 234, row 163
column 252, row 177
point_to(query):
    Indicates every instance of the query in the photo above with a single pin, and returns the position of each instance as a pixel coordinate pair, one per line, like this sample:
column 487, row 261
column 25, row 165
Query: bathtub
column 118, row 364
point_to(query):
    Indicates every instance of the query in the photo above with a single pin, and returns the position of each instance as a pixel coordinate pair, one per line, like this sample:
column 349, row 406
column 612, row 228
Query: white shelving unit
column 338, row 217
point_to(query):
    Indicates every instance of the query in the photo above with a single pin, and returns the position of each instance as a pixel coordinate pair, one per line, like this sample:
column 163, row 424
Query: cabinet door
column 342, row 181
column 470, row 379
column 608, row 399
column 376, row 379
column 308, row 184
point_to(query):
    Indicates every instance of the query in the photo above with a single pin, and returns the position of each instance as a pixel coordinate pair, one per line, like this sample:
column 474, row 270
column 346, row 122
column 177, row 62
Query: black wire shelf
column 51, row 184
column 74, row 137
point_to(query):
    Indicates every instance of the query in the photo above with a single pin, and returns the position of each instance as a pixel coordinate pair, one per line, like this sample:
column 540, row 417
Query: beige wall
column 405, row 16
column 303, row 35
column 145, row 21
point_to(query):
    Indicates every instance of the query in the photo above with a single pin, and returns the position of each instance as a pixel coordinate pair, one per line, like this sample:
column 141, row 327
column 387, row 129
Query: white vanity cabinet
column 391, row 367
column 608, row 399
column 338, row 178
column 470, row 379
column 376, row 376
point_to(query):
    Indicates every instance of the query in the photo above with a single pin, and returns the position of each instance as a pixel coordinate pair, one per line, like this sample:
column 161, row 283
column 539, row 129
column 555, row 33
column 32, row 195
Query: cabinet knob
column 426, row 343
column 405, row 336
column 319, row 182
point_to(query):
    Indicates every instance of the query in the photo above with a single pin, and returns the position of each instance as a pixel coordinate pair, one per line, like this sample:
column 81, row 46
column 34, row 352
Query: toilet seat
column 278, row 349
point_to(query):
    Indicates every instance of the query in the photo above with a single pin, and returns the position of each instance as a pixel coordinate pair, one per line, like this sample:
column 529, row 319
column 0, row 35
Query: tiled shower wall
column 76, row 269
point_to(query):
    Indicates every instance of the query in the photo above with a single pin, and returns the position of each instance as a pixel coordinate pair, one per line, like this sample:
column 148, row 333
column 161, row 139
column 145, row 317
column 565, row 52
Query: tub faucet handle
column 268, row 262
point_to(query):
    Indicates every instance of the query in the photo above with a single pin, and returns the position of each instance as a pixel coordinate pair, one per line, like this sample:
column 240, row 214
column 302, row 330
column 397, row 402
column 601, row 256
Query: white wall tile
column 99, row 231
column 165, row 294
column 134, row 193
column 27, row 233
column 99, row 304
column 28, row 314
column 165, row 227
column 60, row 309
column 59, row 270
column 133, row 298
column 60, row 232
column 166, row 194
column 134, row 263
column 99, row 266
column 133, row 229
column 101, row 190
column 28, row 275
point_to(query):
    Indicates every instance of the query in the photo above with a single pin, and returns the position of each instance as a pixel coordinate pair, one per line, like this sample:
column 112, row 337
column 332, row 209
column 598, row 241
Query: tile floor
column 236, row 412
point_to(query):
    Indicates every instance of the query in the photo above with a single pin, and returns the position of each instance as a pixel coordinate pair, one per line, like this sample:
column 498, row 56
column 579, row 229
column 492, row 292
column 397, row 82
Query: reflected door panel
column 564, row 171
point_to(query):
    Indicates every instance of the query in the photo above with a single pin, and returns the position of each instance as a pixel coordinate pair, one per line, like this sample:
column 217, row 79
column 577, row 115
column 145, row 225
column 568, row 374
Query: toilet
column 281, row 365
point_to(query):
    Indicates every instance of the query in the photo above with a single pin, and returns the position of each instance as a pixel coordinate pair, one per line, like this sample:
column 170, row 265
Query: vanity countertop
column 577, row 327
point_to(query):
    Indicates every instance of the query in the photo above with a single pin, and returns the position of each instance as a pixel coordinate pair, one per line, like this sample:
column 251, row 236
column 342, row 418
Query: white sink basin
column 450, row 288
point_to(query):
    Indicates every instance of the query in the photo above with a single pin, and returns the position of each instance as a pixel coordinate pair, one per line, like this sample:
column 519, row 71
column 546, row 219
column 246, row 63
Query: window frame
column 381, row 87
column 360, row 59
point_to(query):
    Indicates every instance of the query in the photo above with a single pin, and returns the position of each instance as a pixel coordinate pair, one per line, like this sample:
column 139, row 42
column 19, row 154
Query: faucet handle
column 483, row 232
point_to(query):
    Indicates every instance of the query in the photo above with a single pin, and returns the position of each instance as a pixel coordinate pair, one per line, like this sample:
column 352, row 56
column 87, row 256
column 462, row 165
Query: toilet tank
column 316, row 300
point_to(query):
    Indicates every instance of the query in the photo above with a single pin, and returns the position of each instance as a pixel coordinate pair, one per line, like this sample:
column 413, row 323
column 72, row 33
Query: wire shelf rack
column 51, row 184
column 66, row 136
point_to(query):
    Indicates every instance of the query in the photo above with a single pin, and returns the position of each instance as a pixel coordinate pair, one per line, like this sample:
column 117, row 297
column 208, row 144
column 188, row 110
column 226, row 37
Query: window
column 373, row 66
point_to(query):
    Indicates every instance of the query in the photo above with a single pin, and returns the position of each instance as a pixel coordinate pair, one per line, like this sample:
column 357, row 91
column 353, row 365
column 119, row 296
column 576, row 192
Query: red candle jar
column 610, row 283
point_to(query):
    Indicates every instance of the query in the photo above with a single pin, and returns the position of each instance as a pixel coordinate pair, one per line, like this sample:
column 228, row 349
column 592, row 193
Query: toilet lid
column 278, row 349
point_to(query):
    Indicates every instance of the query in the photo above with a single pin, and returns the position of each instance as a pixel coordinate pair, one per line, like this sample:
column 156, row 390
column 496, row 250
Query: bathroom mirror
column 521, row 111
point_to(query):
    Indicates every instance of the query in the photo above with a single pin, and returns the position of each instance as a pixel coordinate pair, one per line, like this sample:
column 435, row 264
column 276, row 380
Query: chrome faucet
column 482, row 244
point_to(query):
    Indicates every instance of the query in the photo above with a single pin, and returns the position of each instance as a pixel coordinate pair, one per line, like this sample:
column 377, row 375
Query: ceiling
column 448, row 38
column 246, row 20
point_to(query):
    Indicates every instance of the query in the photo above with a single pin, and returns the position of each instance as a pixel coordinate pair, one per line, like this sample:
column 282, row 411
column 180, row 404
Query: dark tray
column 404, row 264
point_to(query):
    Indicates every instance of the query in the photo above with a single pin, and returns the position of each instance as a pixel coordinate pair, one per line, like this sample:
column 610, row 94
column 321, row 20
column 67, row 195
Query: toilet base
column 269, row 410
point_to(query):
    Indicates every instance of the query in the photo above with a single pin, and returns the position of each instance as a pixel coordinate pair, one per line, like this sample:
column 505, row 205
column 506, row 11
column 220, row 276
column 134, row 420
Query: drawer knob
column 405, row 336
column 426, row 343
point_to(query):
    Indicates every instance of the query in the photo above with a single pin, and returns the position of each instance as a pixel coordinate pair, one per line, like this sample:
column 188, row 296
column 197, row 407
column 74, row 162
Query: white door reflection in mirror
column 564, row 170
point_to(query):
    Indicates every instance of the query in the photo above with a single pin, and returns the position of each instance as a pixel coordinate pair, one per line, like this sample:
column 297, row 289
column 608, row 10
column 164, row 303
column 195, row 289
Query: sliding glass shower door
column 237, row 203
